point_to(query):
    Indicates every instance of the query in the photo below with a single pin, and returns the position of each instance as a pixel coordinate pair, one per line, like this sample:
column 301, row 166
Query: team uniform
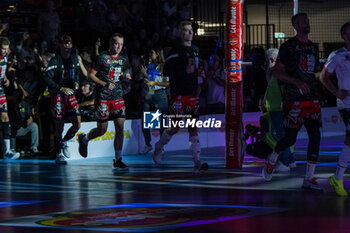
column 183, row 98
column 183, row 86
column 3, row 67
column 110, row 103
column 300, row 60
column 339, row 62
column 60, row 73
column 8, row 153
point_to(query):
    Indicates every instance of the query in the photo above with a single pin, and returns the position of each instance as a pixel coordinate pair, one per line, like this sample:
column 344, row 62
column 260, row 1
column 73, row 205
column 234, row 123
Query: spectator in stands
column 21, row 118
column 156, row 97
column 216, row 87
column 258, row 75
column 49, row 24
column 86, row 99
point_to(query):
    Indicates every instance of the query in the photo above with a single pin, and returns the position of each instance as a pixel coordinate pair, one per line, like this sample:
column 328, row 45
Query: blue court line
column 14, row 203
column 151, row 205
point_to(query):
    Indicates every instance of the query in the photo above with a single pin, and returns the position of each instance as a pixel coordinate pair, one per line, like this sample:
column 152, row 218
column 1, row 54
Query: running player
column 108, row 73
column 4, row 82
column 181, row 66
column 296, row 65
column 62, row 78
column 339, row 63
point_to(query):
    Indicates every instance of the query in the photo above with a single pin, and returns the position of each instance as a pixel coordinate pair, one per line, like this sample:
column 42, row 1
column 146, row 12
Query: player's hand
column 110, row 86
column 6, row 82
column 342, row 94
column 151, row 83
column 303, row 87
column 67, row 91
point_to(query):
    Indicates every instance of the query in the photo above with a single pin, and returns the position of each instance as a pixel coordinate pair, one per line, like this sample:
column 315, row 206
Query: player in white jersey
column 4, row 118
column 339, row 63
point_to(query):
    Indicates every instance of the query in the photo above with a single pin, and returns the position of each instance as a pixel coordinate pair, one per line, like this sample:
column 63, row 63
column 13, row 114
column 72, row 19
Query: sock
column 6, row 145
column 70, row 134
column 339, row 172
column 85, row 139
column 342, row 162
column 310, row 170
column 195, row 148
column 165, row 138
column 272, row 158
column 118, row 154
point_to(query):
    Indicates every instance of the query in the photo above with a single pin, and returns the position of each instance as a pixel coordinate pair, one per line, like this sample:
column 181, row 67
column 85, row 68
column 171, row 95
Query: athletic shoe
column 292, row 165
column 268, row 170
column 12, row 154
column 146, row 149
column 200, row 169
column 60, row 159
column 65, row 150
column 338, row 186
column 119, row 165
column 312, row 185
column 158, row 153
column 281, row 167
column 82, row 145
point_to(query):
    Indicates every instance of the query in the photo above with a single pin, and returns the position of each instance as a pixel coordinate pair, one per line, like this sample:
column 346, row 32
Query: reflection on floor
column 85, row 196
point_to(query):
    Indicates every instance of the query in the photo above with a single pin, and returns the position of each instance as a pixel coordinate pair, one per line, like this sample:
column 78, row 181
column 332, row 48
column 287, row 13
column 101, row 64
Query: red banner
column 234, row 88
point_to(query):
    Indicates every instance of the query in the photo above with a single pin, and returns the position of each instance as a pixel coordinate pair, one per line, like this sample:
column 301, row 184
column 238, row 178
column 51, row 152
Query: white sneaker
column 12, row 154
column 146, row 149
column 292, row 165
column 60, row 159
column 158, row 153
column 65, row 150
column 281, row 167
column 35, row 150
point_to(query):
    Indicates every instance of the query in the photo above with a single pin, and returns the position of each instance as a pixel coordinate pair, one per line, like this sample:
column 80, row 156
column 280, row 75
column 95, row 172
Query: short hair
column 271, row 53
column 184, row 23
column 116, row 34
column 4, row 40
column 65, row 39
column 343, row 28
column 296, row 17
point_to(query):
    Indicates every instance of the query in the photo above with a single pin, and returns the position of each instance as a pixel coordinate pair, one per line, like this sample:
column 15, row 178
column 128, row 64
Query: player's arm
column 49, row 76
column 279, row 71
column 94, row 78
column 327, row 82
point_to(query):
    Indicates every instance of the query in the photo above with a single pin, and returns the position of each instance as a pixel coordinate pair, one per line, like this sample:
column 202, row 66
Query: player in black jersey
column 4, row 82
column 108, row 73
column 296, row 64
column 62, row 78
column 181, row 66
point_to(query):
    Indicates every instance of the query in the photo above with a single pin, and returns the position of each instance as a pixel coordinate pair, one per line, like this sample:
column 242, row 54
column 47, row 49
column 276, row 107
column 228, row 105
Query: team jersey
column 62, row 72
column 301, row 61
column 109, row 69
column 339, row 62
column 175, row 66
column 3, row 66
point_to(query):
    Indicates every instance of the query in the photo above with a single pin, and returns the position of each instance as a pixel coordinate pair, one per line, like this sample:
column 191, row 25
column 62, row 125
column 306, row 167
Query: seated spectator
column 216, row 87
column 86, row 99
column 22, row 121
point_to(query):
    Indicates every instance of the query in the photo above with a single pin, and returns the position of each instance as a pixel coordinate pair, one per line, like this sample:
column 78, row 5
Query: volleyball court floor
column 85, row 196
